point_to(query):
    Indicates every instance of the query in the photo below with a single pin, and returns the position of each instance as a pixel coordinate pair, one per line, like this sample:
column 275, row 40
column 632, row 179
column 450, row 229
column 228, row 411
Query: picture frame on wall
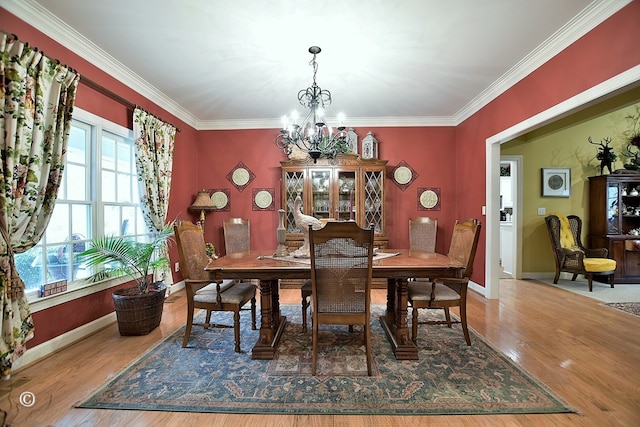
column 556, row 182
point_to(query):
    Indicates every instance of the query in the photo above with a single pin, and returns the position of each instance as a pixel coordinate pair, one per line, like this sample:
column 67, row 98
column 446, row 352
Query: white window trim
column 38, row 303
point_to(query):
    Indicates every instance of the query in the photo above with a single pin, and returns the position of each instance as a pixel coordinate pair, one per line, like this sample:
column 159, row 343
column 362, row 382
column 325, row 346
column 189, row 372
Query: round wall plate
column 219, row 199
column 402, row 175
column 428, row 199
column 263, row 199
column 240, row 176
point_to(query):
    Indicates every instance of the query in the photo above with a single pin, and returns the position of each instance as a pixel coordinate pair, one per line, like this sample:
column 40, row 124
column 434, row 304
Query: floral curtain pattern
column 37, row 95
column 154, row 163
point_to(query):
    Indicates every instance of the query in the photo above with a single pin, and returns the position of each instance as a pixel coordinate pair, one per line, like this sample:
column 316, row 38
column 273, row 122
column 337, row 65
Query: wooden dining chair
column 237, row 235
column 422, row 234
column 341, row 270
column 444, row 293
column 230, row 295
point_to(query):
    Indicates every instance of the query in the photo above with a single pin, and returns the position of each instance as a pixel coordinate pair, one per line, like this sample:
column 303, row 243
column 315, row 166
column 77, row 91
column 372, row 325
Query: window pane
column 108, row 186
column 125, row 155
column 108, row 153
column 29, row 265
column 111, row 220
column 81, row 220
column 76, row 175
column 58, row 228
column 77, row 147
column 124, row 188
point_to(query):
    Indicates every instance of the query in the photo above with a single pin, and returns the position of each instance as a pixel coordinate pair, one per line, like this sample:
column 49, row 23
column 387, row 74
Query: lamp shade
column 203, row 202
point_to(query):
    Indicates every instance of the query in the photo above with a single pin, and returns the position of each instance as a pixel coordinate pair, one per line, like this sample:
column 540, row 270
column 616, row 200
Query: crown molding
column 353, row 122
column 49, row 24
column 40, row 18
column 592, row 16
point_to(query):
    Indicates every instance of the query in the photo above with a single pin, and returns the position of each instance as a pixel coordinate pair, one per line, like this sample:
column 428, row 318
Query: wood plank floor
column 586, row 353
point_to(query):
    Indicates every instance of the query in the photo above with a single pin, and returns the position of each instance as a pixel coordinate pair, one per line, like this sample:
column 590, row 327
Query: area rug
column 602, row 292
column 207, row 376
column 627, row 307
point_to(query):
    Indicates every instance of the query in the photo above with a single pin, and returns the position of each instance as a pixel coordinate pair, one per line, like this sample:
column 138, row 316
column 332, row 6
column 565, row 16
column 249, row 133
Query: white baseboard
column 47, row 348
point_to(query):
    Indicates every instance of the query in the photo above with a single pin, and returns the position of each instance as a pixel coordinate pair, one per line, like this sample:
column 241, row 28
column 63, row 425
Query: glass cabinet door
column 346, row 204
column 373, row 197
column 320, row 185
column 613, row 213
column 293, row 186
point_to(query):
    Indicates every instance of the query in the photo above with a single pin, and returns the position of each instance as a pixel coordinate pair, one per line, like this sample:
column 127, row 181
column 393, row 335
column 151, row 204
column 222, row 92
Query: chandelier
column 313, row 137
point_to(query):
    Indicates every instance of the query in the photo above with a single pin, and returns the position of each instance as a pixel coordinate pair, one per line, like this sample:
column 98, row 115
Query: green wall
column 564, row 144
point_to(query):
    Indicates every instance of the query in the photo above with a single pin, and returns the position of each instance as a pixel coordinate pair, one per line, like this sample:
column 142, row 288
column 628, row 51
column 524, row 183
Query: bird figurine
column 302, row 222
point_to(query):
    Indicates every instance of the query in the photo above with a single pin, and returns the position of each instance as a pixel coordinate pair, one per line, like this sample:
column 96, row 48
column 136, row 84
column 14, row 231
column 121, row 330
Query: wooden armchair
column 570, row 254
column 341, row 269
column 445, row 293
column 201, row 293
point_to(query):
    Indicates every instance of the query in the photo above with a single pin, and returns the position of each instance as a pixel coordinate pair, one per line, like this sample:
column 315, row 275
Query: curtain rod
column 103, row 90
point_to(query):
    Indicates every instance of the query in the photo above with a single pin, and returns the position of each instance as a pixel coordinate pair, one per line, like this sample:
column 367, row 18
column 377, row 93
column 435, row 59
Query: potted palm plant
column 138, row 308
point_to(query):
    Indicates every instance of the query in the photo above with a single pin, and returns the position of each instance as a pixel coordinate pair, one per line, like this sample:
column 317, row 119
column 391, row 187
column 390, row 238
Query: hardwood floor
column 586, row 353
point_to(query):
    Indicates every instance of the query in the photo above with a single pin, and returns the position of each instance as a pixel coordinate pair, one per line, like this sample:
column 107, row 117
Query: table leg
column 271, row 322
column 394, row 322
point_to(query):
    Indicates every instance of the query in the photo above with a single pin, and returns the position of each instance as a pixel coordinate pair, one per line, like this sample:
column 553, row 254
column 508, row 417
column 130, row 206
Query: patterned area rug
column 628, row 307
column 207, row 376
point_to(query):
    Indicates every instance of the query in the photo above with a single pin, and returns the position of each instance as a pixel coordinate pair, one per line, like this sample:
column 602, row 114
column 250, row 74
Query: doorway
column 510, row 182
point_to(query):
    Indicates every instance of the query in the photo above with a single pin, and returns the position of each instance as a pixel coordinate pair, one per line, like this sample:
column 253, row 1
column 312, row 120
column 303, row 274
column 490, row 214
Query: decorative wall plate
column 240, row 176
column 263, row 199
column 220, row 199
column 403, row 175
column 428, row 199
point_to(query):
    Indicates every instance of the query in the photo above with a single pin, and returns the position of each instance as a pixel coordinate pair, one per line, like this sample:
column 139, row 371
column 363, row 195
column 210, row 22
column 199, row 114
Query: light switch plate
column 542, row 211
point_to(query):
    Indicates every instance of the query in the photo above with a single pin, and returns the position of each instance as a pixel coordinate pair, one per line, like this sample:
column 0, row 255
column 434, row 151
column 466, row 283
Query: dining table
column 396, row 265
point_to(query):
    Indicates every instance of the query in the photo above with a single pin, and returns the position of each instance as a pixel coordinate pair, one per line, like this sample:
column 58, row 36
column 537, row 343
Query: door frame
column 618, row 84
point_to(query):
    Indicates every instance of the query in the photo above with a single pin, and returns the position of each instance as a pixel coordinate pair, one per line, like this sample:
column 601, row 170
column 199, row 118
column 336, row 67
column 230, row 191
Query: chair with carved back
column 230, row 295
column 341, row 271
column 570, row 254
column 444, row 293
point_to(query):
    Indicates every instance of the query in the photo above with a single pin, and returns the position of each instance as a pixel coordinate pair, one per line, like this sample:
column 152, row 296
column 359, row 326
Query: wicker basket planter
column 139, row 314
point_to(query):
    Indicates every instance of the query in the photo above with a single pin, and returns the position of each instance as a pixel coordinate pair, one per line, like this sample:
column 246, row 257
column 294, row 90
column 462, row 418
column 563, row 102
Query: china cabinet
column 346, row 188
column 614, row 221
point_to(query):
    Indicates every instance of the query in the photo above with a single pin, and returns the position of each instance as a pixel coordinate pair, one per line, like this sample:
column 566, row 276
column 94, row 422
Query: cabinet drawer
column 632, row 263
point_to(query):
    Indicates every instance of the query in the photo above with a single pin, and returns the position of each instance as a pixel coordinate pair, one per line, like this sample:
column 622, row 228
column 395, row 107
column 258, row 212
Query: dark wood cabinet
column 345, row 188
column 614, row 221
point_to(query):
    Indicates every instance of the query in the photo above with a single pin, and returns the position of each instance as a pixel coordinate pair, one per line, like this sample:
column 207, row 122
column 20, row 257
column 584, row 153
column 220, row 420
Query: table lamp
column 202, row 203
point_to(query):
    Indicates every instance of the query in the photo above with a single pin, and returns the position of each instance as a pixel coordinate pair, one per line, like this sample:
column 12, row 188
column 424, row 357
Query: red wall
column 604, row 52
column 429, row 151
column 452, row 159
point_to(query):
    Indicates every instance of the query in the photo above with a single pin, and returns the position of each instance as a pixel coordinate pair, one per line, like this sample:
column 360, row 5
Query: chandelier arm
column 314, row 137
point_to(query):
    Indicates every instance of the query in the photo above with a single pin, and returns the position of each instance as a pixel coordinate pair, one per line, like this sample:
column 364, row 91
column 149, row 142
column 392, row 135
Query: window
column 98, row 196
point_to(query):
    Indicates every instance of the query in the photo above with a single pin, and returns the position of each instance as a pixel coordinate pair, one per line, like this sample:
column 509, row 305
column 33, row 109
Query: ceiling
column 231, row 64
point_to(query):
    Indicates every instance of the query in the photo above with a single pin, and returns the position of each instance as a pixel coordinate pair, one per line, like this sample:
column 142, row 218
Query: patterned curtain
column 36, row 101
column 154, row 162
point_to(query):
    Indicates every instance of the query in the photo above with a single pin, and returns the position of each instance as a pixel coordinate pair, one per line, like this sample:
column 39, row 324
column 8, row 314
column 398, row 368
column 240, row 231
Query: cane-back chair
column 444, row 293
column 422, row 234
column 237, row 235
column 229, row 295
column 570, row 254
column 341, row 269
